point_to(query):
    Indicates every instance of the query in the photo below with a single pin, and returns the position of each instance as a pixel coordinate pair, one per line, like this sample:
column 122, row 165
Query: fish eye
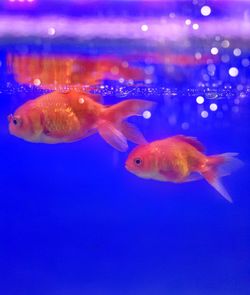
column 17, row 121
column 138, row 161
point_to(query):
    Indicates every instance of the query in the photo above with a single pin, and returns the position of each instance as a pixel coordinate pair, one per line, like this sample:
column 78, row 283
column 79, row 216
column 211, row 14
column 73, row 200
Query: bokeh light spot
column 213, row 107
column 200, row 100
column 125, row 64
column 225, row 44
column 237, row 52
column 214, row 50
column 204, row 114
column 198, row 55
column 185, row 125
column 144, row 28
column 233, row 72
column 205, row 10
column 81, row 100
column 245, row 62
column 148, row 81
column 146, row 114
column 51, row 31
column 37, row 82
column 195, row 26
column 225, row 58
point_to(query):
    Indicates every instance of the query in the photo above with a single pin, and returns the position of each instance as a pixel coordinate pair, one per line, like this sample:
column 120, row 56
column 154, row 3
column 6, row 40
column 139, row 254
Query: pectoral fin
column 113, row 136
column 170, row 175
column 132, row 133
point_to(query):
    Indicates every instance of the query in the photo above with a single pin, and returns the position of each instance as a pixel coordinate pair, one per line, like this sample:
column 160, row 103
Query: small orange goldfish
column 66, row 117
column 181, row 159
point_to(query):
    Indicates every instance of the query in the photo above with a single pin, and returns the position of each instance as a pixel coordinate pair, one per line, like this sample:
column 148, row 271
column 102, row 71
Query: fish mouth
column 10, row 118
column 128, row 167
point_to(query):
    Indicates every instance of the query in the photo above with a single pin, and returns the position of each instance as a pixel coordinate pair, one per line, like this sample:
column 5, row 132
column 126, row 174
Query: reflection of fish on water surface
column 66, row 117
column 55, row 71
column 184, row 60
column 181, row 159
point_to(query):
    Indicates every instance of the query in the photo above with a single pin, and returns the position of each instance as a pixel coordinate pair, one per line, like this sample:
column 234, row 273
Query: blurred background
column 72, row 219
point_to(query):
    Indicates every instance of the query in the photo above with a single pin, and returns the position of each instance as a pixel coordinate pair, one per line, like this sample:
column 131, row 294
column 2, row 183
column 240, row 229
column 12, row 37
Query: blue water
column 74, row 221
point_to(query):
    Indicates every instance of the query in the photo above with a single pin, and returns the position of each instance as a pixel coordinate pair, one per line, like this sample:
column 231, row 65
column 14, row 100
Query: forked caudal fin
column 218, row 166
column 115, row 130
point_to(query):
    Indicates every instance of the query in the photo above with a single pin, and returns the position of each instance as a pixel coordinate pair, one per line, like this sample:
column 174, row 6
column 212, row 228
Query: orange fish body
column 66, row 117
column 181, row 159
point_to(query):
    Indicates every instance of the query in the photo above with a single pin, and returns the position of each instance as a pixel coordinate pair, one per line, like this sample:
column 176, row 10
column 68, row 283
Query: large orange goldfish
column 66, row 117
column 181, row 159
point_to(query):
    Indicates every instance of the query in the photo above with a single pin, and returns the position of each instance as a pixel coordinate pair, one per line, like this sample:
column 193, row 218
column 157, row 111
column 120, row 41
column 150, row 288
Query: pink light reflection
column 21, row 1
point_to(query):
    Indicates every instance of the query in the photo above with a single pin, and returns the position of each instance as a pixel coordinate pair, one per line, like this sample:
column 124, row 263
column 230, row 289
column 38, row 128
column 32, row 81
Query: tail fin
column 218, row 166
column 115, row 130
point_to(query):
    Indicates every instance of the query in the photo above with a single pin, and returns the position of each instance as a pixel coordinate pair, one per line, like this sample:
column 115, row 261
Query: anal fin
column 194, row 176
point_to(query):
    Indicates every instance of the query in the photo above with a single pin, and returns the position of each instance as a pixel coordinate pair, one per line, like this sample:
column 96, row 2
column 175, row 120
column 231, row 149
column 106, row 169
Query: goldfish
column 181, row 159
column 71, row 116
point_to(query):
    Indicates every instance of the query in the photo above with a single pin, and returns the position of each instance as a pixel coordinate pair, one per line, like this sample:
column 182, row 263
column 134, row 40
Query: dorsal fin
column 192, row 141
